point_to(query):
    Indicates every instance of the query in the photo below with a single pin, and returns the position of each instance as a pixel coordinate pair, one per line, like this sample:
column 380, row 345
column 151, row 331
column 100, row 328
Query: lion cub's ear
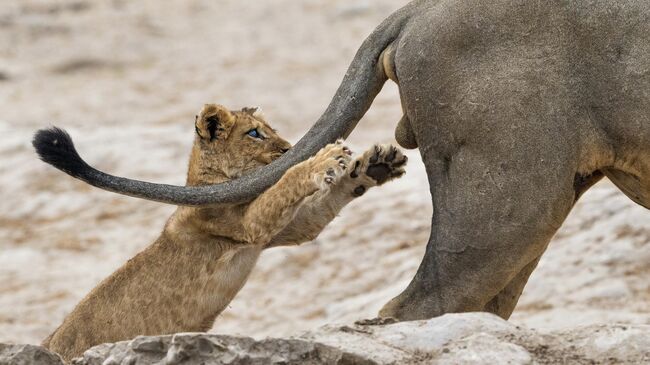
column 255, row 111
column 214, row 122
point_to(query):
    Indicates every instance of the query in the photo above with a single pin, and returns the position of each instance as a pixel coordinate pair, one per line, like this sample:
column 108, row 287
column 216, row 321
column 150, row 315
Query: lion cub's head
column 229, row 143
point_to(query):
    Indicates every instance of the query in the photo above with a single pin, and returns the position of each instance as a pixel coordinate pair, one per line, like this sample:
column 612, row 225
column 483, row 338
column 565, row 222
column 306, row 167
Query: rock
column 468, row 338
column 27, row 355
column 199, row 348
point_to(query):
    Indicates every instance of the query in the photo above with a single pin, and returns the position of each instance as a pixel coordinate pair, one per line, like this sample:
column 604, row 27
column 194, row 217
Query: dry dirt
column 126, row 78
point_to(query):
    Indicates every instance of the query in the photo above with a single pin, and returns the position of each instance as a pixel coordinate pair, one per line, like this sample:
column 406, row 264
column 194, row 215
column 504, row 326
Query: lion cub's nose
column 284, row 150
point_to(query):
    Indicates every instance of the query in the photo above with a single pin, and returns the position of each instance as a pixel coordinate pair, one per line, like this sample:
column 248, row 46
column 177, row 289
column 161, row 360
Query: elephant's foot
column 409, row 306
column 406, row 307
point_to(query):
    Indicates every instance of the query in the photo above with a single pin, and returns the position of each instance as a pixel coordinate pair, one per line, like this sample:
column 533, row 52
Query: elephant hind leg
column 503, row 304
column 495, row 210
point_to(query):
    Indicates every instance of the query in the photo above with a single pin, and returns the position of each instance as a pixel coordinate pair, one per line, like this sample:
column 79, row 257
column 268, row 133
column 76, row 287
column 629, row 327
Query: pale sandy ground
column 126, row 78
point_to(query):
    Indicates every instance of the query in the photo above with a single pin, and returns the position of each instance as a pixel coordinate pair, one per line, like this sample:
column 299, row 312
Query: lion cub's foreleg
column 374, row 167
column 269, row 213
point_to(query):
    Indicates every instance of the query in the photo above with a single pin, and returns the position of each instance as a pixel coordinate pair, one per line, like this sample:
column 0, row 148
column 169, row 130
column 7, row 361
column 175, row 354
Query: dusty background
column 126, row 78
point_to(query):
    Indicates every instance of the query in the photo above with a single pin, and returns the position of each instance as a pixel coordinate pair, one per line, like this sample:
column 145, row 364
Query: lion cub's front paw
column 329, row 164
column 380, row 164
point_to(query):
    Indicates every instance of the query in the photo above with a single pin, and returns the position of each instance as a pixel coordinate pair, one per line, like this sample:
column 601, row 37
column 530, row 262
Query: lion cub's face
column 229, row 143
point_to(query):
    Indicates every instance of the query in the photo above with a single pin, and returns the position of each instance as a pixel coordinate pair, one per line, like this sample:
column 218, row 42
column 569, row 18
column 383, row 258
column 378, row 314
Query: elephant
column 517, row 108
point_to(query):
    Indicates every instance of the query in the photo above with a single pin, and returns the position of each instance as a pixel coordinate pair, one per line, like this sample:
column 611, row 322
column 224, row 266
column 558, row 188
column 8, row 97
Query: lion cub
column 204, row 255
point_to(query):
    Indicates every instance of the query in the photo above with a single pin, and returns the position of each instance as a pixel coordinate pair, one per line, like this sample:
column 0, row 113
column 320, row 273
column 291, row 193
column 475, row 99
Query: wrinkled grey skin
column 517, row 107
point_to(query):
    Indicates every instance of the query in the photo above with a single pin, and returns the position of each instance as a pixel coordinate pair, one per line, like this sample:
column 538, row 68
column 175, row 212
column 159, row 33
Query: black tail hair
column 55, row 147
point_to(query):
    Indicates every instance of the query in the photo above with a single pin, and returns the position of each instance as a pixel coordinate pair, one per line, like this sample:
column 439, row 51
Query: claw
column 355, row 172
column 400, row 163
column 397, row 174
column 375, row 157
column 391, row 155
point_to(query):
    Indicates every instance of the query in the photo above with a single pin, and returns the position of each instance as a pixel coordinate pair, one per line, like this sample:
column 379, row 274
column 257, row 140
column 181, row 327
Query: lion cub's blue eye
column 254, row 133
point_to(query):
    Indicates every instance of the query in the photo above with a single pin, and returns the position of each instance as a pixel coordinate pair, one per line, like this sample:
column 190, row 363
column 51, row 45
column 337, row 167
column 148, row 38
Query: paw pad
column 385, row 163
column 379, row 172
column 358, row 191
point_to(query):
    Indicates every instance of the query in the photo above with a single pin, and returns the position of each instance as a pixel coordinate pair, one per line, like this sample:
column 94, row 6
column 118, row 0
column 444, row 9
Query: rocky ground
column 126, row 78
column 469, row 338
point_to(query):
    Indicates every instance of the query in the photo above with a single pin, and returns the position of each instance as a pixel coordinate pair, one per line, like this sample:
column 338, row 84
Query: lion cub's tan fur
column 204, row 255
